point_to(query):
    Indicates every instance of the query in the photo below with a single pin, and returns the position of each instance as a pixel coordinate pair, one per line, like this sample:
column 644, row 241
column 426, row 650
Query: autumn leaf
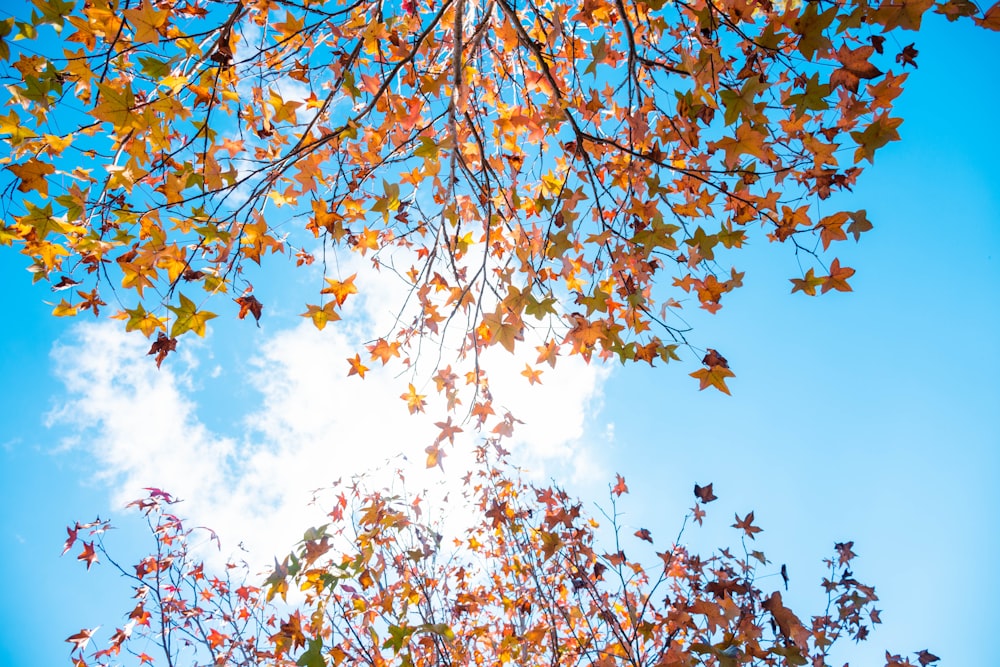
column 713, row 377
column 855, row 66
column 844, row 552
column 188, row 318
column 746, row 525
column 81, row 639
column 414, row 402
column 320, row 315
column 534, row 375
column 620, row 487
column 382, row 350
column 837, row 280
column 88, row 555
column 33, row 175
column 925, row 658
column 248, row 303
column 147, row 22
column 162, row 346
column 340, row 290
column 704, row 493
column 71, row 538
column 644, row 534
column 807, row 284
column 880, row 132
column 788, row 623
column 908, row 56
column 357, row 368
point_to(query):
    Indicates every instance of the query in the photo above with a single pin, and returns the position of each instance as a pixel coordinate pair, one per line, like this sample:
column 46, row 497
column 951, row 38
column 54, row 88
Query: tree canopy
column 530, row 581
column 568, row 177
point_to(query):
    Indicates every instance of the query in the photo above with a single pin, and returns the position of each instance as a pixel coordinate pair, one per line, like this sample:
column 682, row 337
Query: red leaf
column 88, row 554
column 619, row 488
column 71, row 539
column 81, row 639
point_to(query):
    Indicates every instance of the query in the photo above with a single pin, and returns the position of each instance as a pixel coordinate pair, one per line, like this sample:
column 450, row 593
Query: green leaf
column 189, row 318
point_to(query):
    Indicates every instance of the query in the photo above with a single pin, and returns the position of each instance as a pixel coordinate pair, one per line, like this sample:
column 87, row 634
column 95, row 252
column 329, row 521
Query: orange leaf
column 837, row 279
column 713, row 377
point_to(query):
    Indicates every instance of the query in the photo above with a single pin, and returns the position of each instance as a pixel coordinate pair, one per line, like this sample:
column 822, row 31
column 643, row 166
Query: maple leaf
column 807, row 284
column 991, row 18
column 448, row 431
column 880, row 132
column 88, row 555
column 620, row 487
column 320, row 315
column 644, row 534
column 698, row 513
column 340, row 290
column 147, row 22
column 534, row 375
column 249, row 304
column 905, row 14
column 712, row 359
column 116, row 107
column 704, row 493
column 383, row 350
column 854, row 67
column 435, row 456
column 188, row 318
column 81, row 639
column 837, row 280
column 357, row 368
column 788, row 623
column 925, row 657
column 414, row 402
column 746, row 525
column 908, row 56
column 33, row 175
column 844, row 552
column 162, row 346
column 71, row 538
column 713, row 377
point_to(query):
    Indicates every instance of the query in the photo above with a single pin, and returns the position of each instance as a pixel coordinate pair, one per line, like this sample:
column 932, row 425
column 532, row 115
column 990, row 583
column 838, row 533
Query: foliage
column 579, row 171
column 530, row 580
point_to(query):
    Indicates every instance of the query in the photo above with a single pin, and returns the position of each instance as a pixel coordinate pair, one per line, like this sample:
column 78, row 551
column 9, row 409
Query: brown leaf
column 704, row 493
column 908, row 56
column 644, row 534
column 854, row 67
column 162, row 347
column 249, row 304
column 713, row 359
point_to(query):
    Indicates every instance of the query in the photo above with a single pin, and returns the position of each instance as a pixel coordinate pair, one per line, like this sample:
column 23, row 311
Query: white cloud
column 311, row 426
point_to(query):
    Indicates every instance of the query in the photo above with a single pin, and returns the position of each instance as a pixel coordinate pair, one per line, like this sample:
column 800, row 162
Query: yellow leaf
column 321, row 315
column 189, row 318
column 147, row 22
column 145, row 322
column 64, row 309
column 33, row 176
column 714, row 376
column 414, row 402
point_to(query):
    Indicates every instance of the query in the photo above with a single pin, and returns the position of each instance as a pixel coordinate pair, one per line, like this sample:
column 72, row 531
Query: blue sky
column 868, row 416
